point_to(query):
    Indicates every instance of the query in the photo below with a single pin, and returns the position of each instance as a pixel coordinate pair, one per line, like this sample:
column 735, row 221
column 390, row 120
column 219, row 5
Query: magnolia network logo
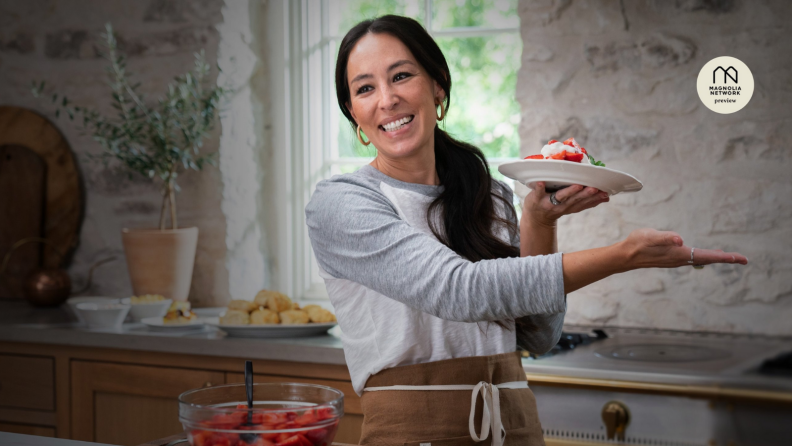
column 725, row 85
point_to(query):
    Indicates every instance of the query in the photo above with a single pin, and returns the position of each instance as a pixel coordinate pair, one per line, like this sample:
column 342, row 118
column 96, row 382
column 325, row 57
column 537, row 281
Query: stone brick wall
column 55, row 41
column 621, row 78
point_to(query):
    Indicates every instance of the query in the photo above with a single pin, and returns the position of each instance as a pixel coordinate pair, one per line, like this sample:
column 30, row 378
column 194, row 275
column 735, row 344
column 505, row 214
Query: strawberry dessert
column 568, row 150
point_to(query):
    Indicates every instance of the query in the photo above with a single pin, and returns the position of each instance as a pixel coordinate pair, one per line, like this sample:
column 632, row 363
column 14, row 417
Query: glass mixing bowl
column 283, row 414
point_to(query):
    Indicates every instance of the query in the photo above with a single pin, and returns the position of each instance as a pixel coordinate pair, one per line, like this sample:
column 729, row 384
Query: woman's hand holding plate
column 573, row 199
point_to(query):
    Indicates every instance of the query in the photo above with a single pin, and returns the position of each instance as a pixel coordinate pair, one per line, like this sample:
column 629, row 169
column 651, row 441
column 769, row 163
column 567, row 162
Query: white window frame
column 300, row 127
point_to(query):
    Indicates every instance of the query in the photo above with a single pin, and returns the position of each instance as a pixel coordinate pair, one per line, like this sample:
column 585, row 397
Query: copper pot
column 48, row 287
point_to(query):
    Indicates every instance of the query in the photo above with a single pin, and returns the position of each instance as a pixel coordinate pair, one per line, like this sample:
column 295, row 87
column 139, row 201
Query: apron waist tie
column 490, row 420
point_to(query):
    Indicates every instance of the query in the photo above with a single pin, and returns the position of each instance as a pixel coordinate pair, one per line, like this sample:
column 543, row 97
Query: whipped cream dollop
column 558, row 147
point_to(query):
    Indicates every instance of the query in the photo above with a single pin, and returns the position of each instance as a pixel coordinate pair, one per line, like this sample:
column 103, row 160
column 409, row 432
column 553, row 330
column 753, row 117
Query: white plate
column 157, row 324
column 272, row 330
column 559, row 173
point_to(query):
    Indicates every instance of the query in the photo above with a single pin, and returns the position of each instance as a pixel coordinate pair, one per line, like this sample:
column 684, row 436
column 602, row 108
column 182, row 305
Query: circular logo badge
column 725, row 85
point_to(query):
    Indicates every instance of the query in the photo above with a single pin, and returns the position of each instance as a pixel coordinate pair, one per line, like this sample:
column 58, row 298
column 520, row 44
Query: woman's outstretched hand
column 572, row 199
column 643, row 248
column 650, row 248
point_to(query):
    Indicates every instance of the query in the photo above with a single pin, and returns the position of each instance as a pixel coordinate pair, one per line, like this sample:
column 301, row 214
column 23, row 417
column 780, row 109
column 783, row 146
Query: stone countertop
column 20, row 322
column 9, row 439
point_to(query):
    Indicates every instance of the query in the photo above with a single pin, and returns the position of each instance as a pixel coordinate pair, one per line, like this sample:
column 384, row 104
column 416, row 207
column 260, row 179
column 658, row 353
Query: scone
column 242, row 305
column 235, row 317
column 273, row 300
column 293, row 317
column 264, row 316
column 309, row 308
column 262, row 296
column 319, row 314
column 295, row 306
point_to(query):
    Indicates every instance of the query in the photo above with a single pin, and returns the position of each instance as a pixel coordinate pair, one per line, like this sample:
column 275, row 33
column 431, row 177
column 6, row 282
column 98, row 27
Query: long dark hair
column 466, row 206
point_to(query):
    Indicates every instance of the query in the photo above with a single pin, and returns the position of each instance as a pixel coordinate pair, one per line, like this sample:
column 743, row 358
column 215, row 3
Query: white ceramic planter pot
column 161, row 261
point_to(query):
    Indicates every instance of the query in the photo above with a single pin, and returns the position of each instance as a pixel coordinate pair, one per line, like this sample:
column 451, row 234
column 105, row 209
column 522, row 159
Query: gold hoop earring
column 442, row 111
column 365, row 143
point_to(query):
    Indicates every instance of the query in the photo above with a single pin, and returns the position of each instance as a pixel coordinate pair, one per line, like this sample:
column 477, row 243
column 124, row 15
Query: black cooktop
column 781, row 365
column 568, row 341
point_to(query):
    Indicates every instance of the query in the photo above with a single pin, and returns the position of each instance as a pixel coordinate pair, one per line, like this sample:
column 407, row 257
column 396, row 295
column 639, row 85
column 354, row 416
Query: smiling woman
column 433, row 280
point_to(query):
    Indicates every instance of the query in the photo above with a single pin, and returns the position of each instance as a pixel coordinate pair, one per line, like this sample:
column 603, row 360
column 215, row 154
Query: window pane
column 344, row 14
column 466, row 13
column 484, row 111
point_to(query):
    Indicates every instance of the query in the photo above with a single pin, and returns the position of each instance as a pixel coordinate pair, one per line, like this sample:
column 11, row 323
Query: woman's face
column 392, row 97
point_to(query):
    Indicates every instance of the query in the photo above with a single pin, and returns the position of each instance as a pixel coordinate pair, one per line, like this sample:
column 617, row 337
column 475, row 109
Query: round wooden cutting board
column 63, row 203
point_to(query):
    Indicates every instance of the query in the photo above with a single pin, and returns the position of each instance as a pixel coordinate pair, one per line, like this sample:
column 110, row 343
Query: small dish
column 144, row 310
column 102, row 315
column 158, row 324
column 72, row 302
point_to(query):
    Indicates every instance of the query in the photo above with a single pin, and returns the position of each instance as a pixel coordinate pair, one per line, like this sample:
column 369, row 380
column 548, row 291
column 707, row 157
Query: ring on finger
column 554, row 200
column 691, row 262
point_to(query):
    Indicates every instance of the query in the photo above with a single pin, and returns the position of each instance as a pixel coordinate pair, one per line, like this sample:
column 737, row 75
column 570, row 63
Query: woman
column 432, row 280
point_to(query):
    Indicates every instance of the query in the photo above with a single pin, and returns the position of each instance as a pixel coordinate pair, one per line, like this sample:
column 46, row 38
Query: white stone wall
column 621, row 78
column 54, row 41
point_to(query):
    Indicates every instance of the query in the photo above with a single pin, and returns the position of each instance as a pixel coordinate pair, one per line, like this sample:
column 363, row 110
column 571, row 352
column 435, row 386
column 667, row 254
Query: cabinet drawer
column 27, row 382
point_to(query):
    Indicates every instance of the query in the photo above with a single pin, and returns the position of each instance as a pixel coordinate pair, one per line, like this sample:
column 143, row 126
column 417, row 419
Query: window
column 481, row 42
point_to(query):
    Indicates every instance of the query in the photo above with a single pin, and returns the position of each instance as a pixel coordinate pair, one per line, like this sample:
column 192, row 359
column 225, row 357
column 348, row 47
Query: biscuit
column 309, row 308
column 321, row 315
column 273, row 300
column 264, row 316
column 242, row 305
column 235, row 317
column 293, row 317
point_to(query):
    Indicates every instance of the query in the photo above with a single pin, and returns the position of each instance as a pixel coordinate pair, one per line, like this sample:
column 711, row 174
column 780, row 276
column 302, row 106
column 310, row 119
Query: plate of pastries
column 273, row 315
column 179, row 317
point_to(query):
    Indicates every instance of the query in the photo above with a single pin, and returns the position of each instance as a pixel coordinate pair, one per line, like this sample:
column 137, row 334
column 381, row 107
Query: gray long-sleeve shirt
column 402, row 297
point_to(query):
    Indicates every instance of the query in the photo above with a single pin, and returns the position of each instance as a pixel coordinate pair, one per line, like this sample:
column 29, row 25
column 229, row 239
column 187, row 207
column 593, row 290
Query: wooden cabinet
column 27, row 382
column 129, row 404
column 128, row 397
column 350, row 425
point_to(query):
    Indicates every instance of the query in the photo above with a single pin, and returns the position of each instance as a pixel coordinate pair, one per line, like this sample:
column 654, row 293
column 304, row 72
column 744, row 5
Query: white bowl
column 148, row 309
column 72, row 302
column 102, row 315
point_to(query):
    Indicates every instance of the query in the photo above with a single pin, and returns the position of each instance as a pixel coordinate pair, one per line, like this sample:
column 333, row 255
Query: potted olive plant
column 157, row 141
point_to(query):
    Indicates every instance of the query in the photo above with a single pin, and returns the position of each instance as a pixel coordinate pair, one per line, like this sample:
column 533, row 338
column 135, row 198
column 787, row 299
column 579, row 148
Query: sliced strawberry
column 572, row 142
column 552, row 141
column 324, row 413
column 572, row 156
column 534, row 157
column 308, row 417
column 558, row 156
column 295, row 440
column 582, row 149
column 316, row 435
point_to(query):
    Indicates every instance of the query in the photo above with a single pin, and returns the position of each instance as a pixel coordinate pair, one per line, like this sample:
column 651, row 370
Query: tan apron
column 460, row 402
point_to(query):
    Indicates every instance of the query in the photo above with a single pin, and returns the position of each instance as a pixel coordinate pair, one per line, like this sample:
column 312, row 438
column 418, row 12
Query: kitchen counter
column 692, row 363
column 7, row 439
column 19, row 322
column 733, row 375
